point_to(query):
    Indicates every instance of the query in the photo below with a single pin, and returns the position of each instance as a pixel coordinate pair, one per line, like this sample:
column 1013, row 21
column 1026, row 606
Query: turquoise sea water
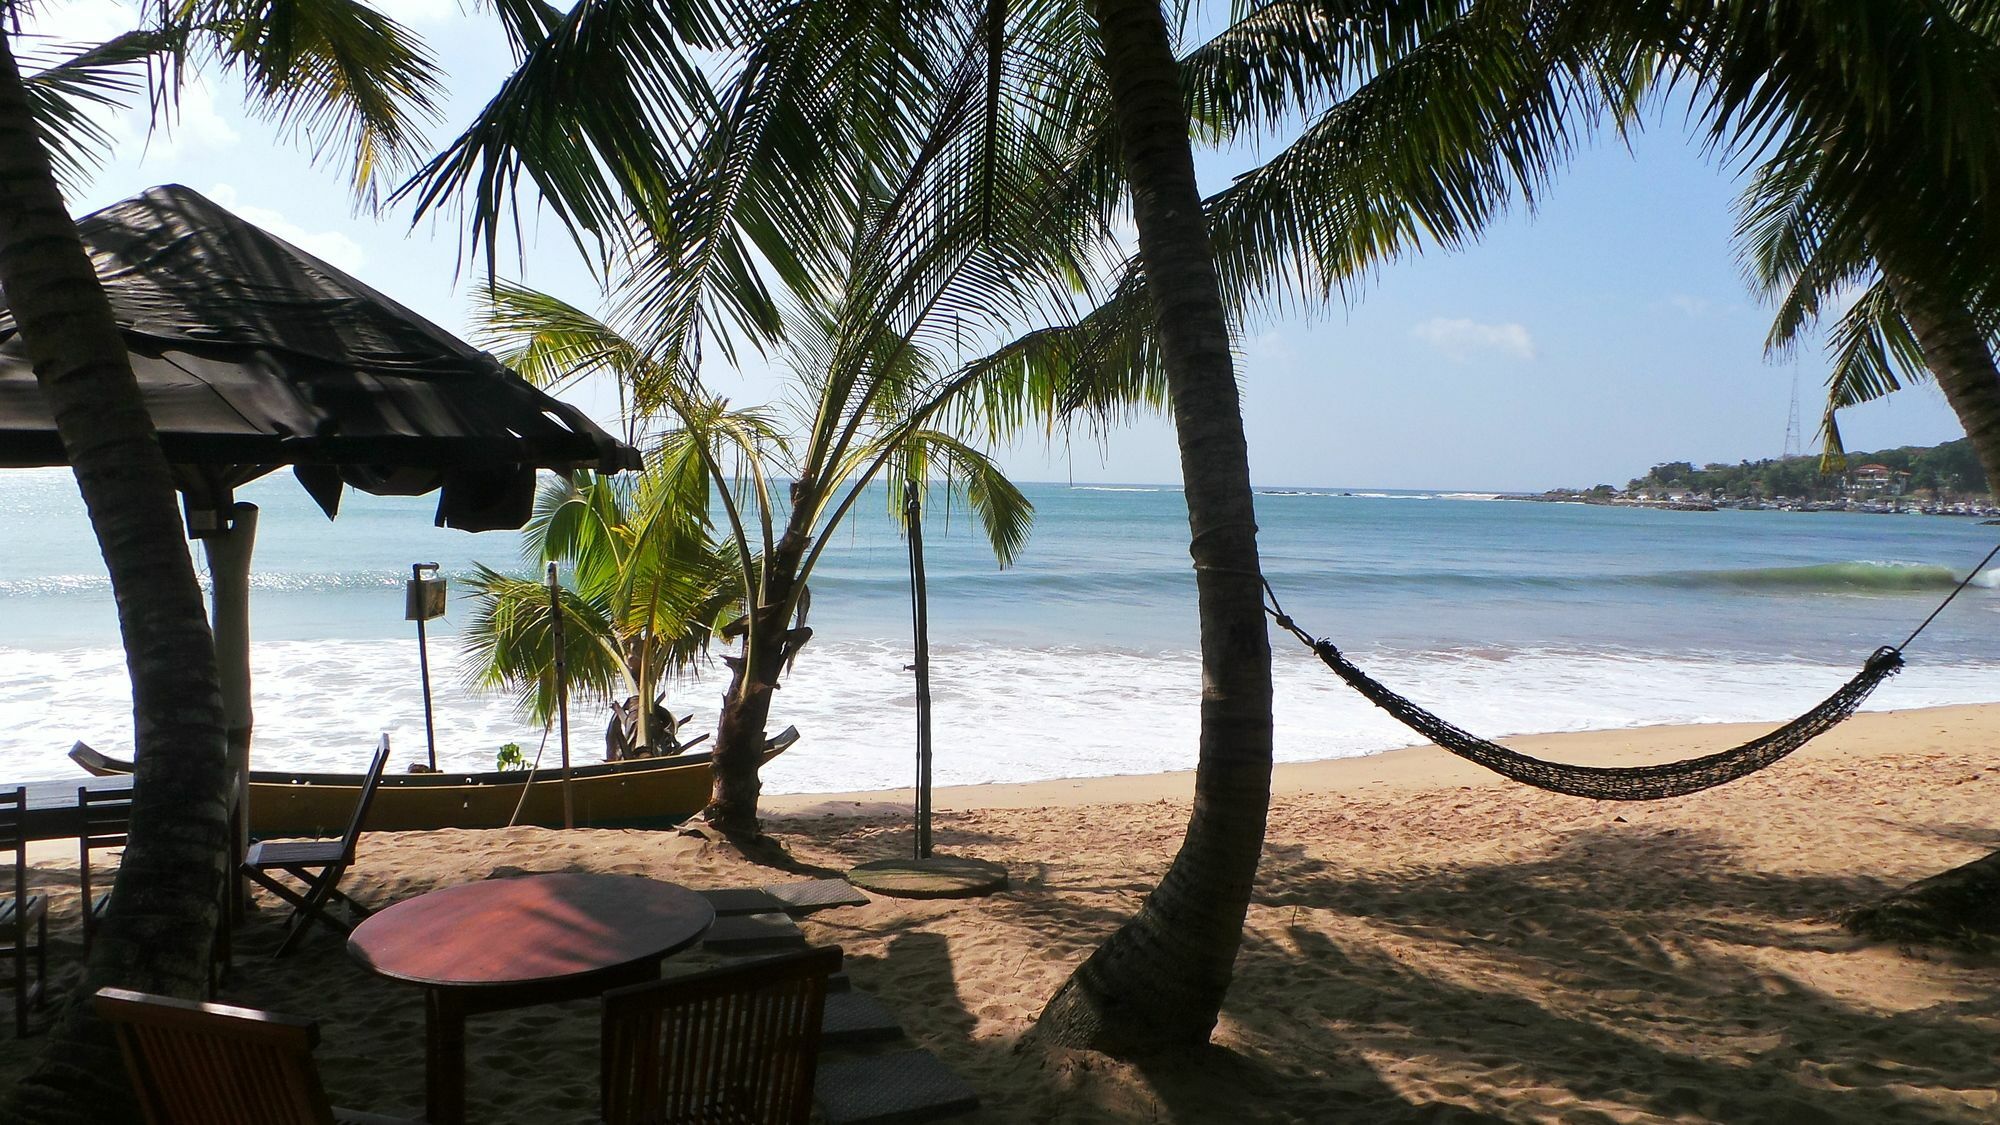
column 1505, row 617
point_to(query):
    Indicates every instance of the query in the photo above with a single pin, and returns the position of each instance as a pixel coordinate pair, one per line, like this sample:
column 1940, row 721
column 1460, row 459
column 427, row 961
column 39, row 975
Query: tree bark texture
column 746, row 706
column 1160, row 980
column 165, row 898
column 1961, row 362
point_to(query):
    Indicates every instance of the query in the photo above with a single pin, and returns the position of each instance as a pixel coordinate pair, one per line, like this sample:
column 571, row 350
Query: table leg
column 444, row 1058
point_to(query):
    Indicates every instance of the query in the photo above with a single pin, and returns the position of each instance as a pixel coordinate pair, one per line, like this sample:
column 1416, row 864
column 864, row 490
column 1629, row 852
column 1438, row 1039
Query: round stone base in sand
column 940, row 876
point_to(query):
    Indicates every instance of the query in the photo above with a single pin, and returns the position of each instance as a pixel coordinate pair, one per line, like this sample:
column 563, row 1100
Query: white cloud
column 1462, row 340
column 54, row 32
column 77, row 21
column 331, row 245
column 191, row 125
column 1269, row 348
column 1692, row 306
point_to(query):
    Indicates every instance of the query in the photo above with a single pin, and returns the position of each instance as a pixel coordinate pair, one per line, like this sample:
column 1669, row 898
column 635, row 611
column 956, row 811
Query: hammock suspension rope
column 1622, row 783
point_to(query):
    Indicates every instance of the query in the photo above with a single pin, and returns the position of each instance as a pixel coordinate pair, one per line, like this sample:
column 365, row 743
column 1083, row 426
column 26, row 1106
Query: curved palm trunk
column 1955, row 906
column 746, row 706
column 166, row 896
column 1959, row 358
column 1160, row 979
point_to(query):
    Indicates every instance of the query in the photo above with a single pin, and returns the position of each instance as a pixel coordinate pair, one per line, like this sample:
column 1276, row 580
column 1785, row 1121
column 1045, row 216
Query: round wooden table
column 510, row 943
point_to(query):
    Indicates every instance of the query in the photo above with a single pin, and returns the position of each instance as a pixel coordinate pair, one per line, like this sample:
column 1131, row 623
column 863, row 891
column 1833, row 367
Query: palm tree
column 1815, row 222
column 1161, row 977
column 179, row 816
column 1899, row 329
column 1312, row 216
column 166, row 894
column 871, row 400
column 644, row 582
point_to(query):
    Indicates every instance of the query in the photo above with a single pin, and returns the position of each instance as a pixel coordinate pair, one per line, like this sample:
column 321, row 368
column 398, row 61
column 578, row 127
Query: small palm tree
column 867, row 405
column 645, row 582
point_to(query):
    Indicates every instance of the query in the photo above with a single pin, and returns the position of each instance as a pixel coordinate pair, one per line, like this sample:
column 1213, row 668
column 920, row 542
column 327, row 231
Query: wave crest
column 1853, row 575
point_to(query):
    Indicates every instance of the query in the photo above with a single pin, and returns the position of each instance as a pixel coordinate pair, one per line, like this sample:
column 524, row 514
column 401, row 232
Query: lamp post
column 423, row 599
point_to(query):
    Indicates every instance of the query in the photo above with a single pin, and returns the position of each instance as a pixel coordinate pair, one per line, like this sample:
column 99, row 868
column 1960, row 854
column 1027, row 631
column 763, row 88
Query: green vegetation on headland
column 1942, row 479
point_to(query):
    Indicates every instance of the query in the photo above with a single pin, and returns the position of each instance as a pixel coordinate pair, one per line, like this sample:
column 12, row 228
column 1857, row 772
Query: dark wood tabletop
column 508, row 943
column 531, row 929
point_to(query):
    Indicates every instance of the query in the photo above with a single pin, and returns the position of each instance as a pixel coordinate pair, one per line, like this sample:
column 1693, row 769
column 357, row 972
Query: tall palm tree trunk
column 164, row 901
column 746, row 706
column 1160, row 979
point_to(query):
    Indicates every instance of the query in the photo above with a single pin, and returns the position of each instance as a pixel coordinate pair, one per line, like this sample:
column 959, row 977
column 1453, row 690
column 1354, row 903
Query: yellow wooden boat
column 638, row 793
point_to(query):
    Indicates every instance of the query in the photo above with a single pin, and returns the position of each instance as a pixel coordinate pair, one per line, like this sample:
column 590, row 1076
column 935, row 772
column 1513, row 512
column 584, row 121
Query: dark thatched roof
column 253, row 354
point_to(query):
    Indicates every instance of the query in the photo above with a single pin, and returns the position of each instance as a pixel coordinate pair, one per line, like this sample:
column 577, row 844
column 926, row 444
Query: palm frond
column 63, row 95
column 550, row 341
column 588, row 117
column 1004, row 512
column 509, row 644
column 351, row 81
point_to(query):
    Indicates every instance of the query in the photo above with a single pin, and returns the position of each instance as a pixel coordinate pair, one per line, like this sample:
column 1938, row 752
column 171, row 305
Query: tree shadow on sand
column 1625, row 974
column 1643, row 969
column 919, row 979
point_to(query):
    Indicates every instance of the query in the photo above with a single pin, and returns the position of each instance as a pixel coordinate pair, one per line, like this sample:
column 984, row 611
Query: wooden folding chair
column 212, row 1064
column 738, row 1044
column 318, row 864
column 23, row 914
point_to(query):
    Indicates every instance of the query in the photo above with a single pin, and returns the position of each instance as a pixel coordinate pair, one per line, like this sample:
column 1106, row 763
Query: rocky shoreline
column 1896, row 506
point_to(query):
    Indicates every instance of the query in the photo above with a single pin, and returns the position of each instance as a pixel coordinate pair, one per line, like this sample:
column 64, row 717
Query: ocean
column 1504, row 617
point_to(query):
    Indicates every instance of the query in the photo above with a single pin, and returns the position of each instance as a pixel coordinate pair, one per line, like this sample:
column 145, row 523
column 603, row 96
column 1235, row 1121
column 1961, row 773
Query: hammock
column 1623, row 783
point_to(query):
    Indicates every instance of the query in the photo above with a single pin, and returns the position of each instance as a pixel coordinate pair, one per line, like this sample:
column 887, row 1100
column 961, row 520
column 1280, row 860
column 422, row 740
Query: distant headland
column 1943, row 480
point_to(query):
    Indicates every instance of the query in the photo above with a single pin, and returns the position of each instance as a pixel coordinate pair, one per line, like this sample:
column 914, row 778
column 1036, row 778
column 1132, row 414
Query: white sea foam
column 1000, row 713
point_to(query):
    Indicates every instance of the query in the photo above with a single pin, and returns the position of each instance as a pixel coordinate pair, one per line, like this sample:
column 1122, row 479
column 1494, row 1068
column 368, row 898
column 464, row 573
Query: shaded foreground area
column 1423, row 946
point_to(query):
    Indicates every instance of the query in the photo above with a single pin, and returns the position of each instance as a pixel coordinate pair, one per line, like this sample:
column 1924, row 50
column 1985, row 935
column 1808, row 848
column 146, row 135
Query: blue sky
column 1608, row 331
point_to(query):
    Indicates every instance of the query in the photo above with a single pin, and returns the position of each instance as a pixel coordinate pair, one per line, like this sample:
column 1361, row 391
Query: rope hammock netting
column 1623, row 783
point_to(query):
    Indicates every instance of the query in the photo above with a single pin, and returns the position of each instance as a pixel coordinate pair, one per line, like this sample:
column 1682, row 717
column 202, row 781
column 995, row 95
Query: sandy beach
column 1426, row 942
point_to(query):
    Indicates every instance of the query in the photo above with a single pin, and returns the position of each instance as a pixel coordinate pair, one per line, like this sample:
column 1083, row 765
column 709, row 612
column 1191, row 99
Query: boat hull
column 645, row 793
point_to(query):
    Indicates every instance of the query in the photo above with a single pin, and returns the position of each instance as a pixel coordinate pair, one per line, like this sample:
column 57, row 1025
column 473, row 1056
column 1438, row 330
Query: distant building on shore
column 1874, row 480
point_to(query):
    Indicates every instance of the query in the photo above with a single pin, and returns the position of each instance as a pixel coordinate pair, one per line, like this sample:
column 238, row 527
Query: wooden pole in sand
column 562, row 693
column 920, row 622
column 228, row 545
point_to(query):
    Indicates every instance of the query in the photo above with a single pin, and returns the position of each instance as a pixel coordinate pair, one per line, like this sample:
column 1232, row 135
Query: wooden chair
column 318, row 864
column 738, row 1044
column 23, row 914
column 212, row 1064
column 106, row 817
column 106, row 820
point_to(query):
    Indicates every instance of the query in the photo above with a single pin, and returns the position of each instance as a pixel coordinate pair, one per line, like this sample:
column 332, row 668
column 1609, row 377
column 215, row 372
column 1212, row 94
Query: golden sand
column 1426, row 943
